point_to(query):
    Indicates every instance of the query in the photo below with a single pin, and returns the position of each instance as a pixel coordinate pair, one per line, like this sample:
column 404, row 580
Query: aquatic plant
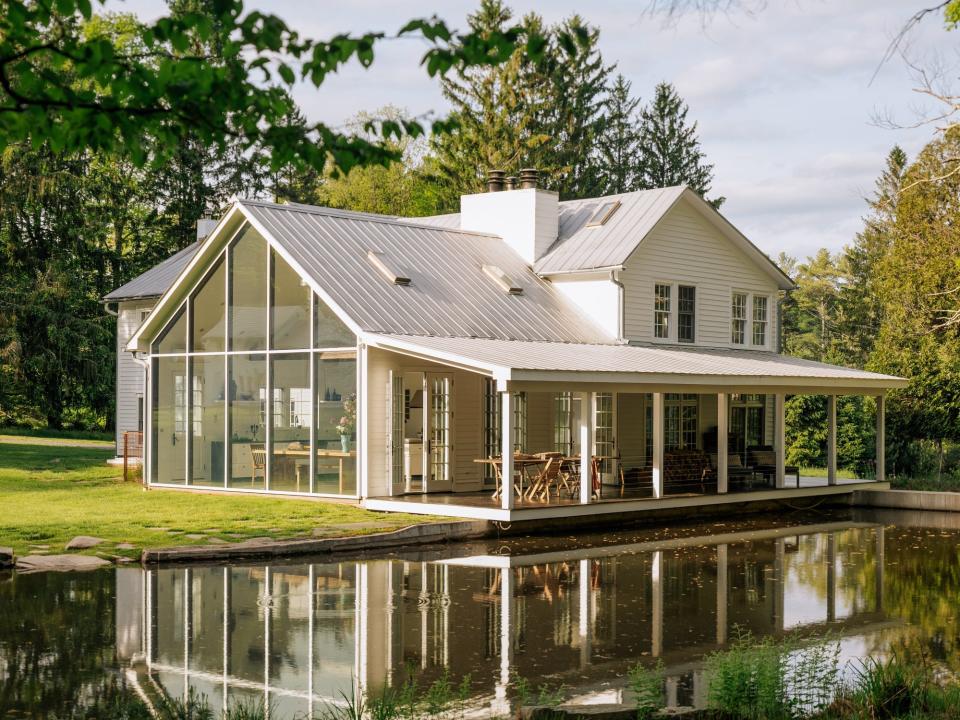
column 768, row 679
column 647, row 686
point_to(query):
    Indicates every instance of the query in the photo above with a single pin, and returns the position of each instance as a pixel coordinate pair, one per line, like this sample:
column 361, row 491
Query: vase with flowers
column 347, row 423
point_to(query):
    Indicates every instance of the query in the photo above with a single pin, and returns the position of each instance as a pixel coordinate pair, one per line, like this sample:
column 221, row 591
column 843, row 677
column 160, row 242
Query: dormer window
column 604, row 213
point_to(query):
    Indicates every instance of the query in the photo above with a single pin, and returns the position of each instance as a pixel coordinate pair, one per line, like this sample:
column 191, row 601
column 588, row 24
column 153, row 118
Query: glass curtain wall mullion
column 188, row 411
column 227, row 287
column 269, row 401
column 313, row 397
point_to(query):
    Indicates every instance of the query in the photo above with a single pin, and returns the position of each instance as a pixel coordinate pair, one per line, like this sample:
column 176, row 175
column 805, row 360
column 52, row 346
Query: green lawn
column 62, row 435
column 51, row 493
column 842, row 473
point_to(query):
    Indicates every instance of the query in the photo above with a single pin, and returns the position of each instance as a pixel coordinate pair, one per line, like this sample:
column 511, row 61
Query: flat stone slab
column 59, row 563
column 604, row 712
column 83, row 542
column 216, row 541
column 6, row 557
column 125, row 546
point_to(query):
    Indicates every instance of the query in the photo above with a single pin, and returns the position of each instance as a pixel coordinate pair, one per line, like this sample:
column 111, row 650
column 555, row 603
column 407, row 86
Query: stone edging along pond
column 421, row 534
column 908, row 500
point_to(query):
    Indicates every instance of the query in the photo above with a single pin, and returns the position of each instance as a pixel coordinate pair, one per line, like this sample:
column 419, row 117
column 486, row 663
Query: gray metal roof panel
column 155, row 281
column 579, row 247
column 585, row 357
column 449, row 294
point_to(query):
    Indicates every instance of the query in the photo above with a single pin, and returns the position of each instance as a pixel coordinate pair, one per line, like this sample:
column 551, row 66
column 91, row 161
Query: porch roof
column 520, row 361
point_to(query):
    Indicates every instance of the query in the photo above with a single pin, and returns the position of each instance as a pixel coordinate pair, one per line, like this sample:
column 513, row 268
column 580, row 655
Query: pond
column 573, row 612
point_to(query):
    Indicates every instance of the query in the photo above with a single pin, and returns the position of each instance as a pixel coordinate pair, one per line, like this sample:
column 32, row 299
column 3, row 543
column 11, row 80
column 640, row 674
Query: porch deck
column 480, row 505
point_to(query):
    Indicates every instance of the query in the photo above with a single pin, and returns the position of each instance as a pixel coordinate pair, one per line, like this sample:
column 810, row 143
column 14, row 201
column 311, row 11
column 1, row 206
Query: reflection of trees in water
column 56, row 638
column 921, row 585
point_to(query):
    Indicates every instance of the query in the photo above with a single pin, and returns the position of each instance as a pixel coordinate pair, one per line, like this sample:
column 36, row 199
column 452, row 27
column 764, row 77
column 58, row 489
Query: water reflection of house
column 302, row 635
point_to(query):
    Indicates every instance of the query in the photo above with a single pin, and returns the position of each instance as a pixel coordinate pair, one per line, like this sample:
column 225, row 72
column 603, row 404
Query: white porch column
column 780, row 437
column 723, row 418
column 506, row 450
column 658, row 445
column 881, row 474
column 586, row 447
column 831, row 440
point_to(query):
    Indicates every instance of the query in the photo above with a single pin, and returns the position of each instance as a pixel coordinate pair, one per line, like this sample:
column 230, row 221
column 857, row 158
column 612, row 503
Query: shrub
column 647, row 685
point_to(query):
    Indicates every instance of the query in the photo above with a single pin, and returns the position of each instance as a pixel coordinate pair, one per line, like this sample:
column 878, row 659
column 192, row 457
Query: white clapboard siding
column 130, row 373
column 467, row 419
column 684, row 248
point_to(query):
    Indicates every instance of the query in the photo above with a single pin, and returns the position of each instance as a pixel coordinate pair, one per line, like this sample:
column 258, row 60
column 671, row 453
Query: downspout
column 106, row 306
column 621, row 293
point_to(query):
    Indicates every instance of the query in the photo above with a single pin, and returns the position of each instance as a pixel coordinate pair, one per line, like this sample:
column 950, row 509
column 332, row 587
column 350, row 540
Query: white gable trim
column 225, row 231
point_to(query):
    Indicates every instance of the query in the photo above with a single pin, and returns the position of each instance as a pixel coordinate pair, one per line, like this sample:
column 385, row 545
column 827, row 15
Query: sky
column 788, row 94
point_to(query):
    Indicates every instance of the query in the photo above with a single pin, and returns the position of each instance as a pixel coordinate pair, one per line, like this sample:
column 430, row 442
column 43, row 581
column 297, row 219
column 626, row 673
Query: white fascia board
column 411, row 349
column 810, row 384
column 282, row 251
column 199, row 263
column 172, row 296
column 730, row 231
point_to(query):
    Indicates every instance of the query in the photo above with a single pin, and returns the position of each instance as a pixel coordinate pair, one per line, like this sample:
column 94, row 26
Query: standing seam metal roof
column 449, row 295
column 155, row 281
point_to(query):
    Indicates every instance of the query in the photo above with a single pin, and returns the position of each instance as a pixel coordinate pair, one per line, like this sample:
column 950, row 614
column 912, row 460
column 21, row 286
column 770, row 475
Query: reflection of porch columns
column 723, row 418
column 657, row 470
column 584, row 619
column 831, row 440
column 586, row 447
column 881, row 473
column 880, row 562
column 721, row 594
column 501, row 705
column 780, row 438
column 656, row 631
column 831, row 577
column 779, row 582
column 506, row 450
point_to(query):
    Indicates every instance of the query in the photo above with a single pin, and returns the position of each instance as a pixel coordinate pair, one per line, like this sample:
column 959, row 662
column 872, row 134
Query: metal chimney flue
column 495, row 180
column 512, row 182
column 529, row 178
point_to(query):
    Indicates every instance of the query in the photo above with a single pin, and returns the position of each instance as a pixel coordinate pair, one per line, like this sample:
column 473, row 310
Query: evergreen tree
column 546, row 114
column 670, row 151
column 619, row 144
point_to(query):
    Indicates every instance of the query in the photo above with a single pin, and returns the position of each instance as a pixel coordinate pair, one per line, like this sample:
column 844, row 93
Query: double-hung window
column 759, row 320
column 738, row 319
column 686, row 313
column 749, row 317
column 661, row 311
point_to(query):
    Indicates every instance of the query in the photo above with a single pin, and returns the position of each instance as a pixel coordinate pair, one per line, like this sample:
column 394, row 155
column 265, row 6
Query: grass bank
column 52, row 493
column 64, row 435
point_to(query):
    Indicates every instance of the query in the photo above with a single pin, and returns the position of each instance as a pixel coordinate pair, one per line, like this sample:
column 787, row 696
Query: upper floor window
column 686, row 313
column 759, row 320
column 661, row 311
column 738, row 319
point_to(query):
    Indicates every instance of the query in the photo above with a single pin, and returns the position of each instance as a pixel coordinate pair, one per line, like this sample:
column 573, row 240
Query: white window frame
column 673, row 315
column 747, row 343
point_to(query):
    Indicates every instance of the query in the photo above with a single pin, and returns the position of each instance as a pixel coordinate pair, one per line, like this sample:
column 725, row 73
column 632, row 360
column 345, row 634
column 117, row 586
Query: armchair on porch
column 738, row 474
column 763, row 459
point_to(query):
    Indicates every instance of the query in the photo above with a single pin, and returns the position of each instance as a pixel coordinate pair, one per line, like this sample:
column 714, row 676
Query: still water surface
column 570, row 611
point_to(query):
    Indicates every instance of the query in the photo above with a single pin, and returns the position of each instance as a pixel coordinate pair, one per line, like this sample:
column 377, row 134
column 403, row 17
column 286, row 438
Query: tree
column 917, row 279
column 545, row 113
column 669, row 147
column 619, row 144
column 808, row 314
column 83, row 92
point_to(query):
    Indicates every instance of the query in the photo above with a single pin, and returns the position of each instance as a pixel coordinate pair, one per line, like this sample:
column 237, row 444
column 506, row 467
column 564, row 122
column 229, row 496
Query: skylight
column 502, row 279
column 603, row 214
column 377, row 260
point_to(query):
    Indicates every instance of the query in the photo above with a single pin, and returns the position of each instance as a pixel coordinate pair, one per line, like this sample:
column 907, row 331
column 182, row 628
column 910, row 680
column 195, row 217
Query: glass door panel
column 439, row 477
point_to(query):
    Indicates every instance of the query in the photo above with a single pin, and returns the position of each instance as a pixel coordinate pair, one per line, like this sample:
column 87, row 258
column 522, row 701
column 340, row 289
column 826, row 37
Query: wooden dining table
column 521, row 464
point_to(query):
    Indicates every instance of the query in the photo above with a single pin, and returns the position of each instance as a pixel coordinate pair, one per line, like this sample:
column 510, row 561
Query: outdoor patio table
column 520, row 464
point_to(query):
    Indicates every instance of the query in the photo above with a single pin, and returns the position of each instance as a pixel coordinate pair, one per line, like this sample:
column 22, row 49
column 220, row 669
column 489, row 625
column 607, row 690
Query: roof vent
column 529, row 178
column 512, row 182
column 376, row 259
column 502, row 279
column 603, row 213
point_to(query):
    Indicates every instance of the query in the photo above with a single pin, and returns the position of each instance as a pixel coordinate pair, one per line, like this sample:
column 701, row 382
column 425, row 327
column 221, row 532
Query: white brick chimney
column 526, row 219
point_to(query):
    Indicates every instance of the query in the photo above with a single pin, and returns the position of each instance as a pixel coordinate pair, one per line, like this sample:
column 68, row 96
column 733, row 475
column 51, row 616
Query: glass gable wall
column 254, row 382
